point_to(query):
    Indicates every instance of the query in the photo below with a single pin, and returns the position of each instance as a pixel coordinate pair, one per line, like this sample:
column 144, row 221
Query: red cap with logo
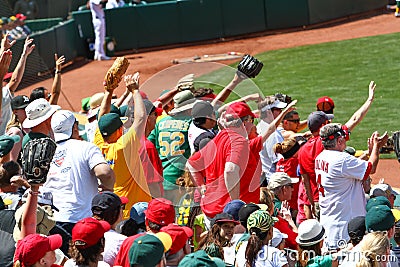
column 239, row 110
column 33, row 247
column 87, row 232
column 325, row 103
column 160, row 211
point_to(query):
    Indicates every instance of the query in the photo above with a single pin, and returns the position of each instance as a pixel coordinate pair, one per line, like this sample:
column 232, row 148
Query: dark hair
column 290, row 115
column 153, row 226
column 8, row 170
column 86, row 255
column 200, row 92
column 37, row 93
column 255, row 243
column 397, row 235
column 199, row 121
column 130, row 227
column 110, row 216
column 305, row 251
column 213, row 237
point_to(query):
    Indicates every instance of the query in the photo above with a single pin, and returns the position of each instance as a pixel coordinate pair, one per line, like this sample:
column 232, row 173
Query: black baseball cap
column 356, row 227
column 19, row 102
column 245, row 212
column 107, row 201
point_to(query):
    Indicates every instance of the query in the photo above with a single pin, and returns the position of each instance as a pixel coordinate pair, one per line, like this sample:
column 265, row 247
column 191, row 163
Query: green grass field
column 341, row 70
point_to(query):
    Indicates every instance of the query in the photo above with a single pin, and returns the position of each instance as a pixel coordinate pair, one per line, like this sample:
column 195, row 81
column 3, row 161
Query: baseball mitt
column 250, row 66
column 115, row 73
column 396, row 144
column 36, row 158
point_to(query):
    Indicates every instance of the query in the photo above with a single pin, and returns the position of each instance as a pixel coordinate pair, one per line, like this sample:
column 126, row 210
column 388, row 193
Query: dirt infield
column 85, row 78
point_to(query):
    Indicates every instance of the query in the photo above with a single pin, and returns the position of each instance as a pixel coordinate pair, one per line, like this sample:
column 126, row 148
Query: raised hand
column 59, row 61
column 29, row 46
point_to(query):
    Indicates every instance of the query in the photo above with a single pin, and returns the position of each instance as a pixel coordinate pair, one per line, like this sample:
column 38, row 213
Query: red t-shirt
column 122, row 258
column 283, row 226
column 227, row 146
column 290, row 167
column 250, row 181
column 151, row 163
column 307, row 154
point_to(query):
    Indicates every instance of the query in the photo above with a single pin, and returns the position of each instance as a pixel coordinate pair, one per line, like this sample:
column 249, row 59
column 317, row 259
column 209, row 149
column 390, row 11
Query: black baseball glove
column 36, row 158
column 250, row 66
column 396, row 144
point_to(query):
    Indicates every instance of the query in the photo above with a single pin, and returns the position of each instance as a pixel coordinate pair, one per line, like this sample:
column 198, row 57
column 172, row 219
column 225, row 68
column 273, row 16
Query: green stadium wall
column 176, row 22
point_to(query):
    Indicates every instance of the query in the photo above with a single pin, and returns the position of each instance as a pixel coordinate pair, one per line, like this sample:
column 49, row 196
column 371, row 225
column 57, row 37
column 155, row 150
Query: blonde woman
column 374, row 250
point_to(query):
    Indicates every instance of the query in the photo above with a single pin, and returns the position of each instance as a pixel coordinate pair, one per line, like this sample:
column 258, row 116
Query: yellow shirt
column 123, row 157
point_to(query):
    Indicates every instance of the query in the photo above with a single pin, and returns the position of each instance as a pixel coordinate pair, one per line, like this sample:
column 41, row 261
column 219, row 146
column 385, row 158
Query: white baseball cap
column 37, row 112
column 277, row 237
column 382, row 190
column 62, row 124
column 279, row 179
column 275, row 104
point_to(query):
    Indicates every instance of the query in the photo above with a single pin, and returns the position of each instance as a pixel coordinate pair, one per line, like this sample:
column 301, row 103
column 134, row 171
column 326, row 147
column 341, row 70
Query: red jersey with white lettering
column 341, row 194
column 307, row 154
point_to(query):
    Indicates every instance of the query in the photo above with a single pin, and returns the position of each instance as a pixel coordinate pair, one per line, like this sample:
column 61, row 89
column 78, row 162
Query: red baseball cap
column 33, row 247
column 325, row 103
column 240, row 110
column 87, row 232
column 160, row 211
column 179, row 236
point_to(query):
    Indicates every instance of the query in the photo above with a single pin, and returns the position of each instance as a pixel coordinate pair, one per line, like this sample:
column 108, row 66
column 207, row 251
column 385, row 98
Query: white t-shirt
column 71, row 263
column 341, row 197
column 113, row 242
column 267, row 155
column 193, row 133
column 5, row 108
column 266, row 257
column 71, row 179
column 114, row 4
column 90, row 129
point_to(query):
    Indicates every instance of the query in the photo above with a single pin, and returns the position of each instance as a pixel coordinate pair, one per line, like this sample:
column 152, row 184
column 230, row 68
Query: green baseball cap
column 146, row 251
column 109, row 123
column 379, row 218
column 260, row 219
column 200, row 259
column 375, row 201
column 7, row 143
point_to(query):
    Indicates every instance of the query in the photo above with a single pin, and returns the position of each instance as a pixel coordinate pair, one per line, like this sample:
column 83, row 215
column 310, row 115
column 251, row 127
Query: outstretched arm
column 29, row 219
column 362, row 111
column 223, row 95
column 140, row 117
column 20, row 68
column 374, row 144
column 5, row 60
column 56, row 87
column 275, row 123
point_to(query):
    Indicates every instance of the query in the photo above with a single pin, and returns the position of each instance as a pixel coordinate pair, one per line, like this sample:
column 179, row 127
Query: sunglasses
column 295, row 121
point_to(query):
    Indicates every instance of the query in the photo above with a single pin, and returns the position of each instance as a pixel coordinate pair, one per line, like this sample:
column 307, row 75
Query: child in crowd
column 219, row 236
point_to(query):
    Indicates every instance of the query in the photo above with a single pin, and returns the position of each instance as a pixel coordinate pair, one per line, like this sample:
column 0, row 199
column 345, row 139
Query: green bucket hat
column 200, row 259
column 109, row 123
column 260, row 219
column 379, row 218
column 146, row 251
column 375, row 201
column 7, row 143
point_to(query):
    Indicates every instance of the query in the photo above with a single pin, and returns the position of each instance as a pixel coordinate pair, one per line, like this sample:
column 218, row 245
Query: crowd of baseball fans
column 188, row 180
